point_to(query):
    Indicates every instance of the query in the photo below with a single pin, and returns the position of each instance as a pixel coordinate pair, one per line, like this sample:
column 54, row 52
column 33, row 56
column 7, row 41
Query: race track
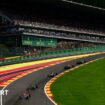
column 12, row 75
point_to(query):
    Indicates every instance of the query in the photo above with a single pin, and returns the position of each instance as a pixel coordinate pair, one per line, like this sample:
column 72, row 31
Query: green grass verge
column 83, row 86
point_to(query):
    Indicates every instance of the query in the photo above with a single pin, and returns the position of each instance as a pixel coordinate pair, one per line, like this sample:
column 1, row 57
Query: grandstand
column 55, row 27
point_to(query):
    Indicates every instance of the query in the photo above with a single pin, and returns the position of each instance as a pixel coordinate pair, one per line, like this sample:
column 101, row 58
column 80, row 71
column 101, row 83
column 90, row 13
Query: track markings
column 49, row 83
column 26, row 73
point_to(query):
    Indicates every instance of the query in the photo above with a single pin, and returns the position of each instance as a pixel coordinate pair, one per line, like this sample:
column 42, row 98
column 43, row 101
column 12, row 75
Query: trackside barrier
column 51, row 54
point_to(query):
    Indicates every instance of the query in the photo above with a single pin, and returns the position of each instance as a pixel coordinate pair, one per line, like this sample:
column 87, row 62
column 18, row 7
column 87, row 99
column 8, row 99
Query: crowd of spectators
column 74, row 36
column 71, row 28
column 64, row 45
column 28, row 50
column 44, row 22
column 61, row 45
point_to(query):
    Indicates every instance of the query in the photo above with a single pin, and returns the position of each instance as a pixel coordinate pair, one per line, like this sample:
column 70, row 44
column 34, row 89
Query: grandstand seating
column 72, row 27
column 70, row 35
column 57, row 27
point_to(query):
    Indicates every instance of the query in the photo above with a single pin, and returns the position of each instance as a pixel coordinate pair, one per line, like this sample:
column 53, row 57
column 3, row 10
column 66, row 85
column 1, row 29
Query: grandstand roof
column 56, row 9
column 47, row 5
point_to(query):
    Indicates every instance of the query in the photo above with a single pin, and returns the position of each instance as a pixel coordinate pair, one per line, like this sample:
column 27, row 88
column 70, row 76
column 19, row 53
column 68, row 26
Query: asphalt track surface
column 6, row 75
column 10, row 73
column 38, row 96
